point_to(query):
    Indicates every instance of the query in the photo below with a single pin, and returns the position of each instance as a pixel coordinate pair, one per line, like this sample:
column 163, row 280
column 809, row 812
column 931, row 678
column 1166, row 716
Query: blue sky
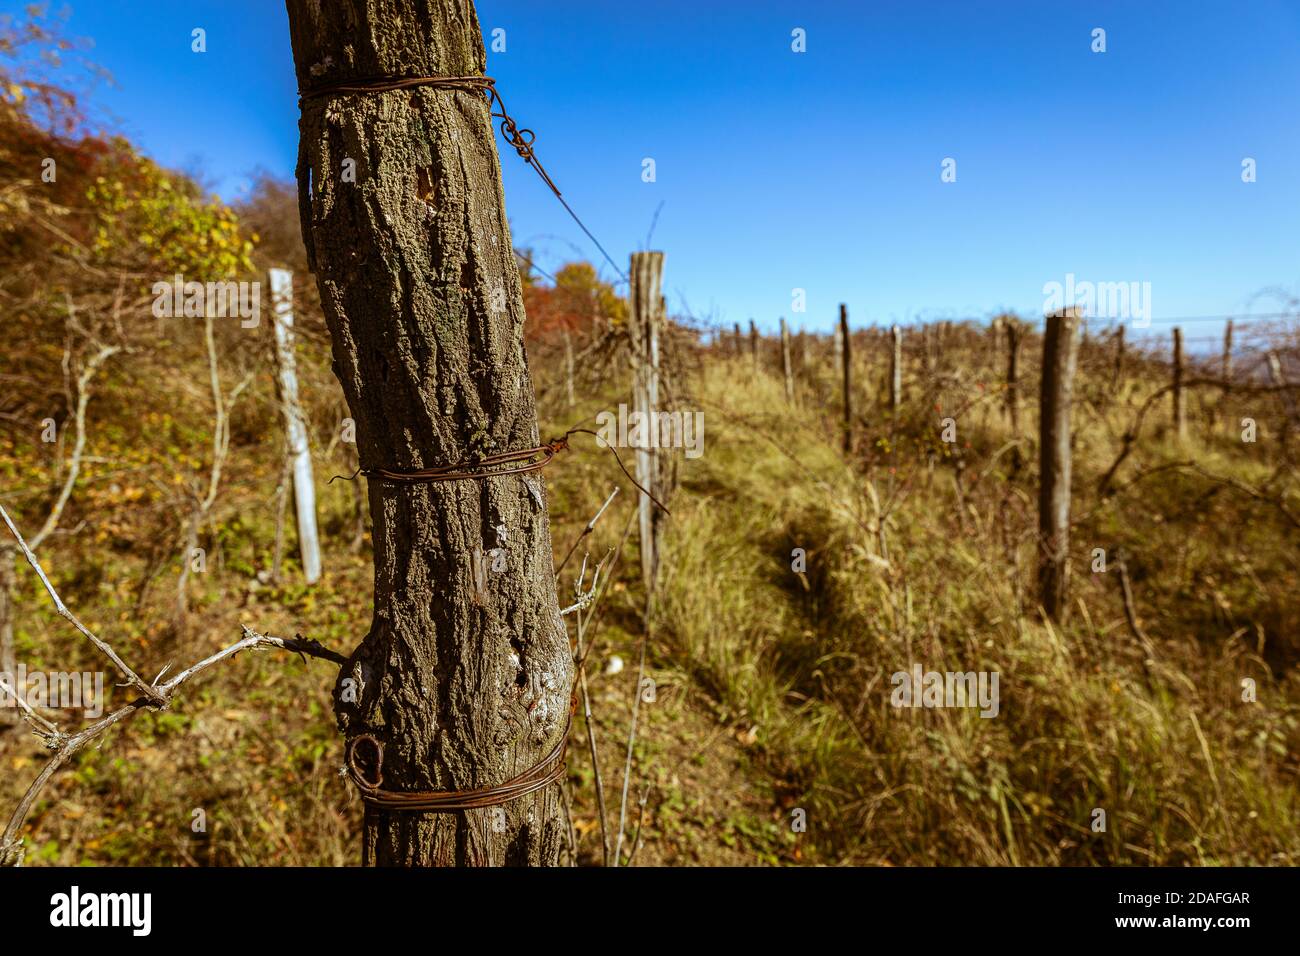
column 820, row 170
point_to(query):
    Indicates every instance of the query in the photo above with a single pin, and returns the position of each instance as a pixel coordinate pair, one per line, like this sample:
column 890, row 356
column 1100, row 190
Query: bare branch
column 591, row 526
column 44, row 729
column 131, row 676
column 88, row 372
column 11, row 846
column 631, row 744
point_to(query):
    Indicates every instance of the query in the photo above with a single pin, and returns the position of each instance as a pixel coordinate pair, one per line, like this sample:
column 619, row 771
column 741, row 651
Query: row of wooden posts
column 1013, row 332
column 647, row 315
column 653, row 471
column 1061, row 346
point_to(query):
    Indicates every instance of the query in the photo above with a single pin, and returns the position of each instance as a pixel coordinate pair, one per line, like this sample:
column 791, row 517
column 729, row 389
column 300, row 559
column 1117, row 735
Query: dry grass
column 774, row 686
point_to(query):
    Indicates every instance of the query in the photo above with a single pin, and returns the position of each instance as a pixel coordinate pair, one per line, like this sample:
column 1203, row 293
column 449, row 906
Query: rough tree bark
column 425, row 310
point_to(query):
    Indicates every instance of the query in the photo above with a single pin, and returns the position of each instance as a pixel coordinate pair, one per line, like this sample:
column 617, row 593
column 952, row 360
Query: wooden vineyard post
column 568, row 368
column 646, row 303
column 736, row 340
column 787, row 366
column 895, row 368
column 753, row 344
column 433, row 364
column 304, row 486
column 1279, row 379
column 1227, row 356
column 1013, row 357
column 1179, row 399
column 1117, row 374
column 1060, row 356
column 847, row 363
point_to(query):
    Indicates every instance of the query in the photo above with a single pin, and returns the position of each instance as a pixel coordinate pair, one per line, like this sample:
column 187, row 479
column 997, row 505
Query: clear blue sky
column 821, row 170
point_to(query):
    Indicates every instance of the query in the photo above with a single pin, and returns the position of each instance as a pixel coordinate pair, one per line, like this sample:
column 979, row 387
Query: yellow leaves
column 16, row 93
column 151, row 214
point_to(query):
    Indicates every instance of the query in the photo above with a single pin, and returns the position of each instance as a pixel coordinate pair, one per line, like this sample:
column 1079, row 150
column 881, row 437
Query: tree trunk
column 425, row 311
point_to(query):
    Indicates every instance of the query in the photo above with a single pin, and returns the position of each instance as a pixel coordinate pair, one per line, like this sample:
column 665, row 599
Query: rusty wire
column 521, row 139
column 549, row 769
column 495, row 466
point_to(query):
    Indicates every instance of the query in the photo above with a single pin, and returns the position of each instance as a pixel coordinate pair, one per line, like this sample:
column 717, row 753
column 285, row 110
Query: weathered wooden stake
column 1013, row 386
column 786, row 365
column 1060, row 356
column 1227, row 355
column 896, row 368
column 736, row 340
column 457, row 694
column 304, row 486
column 753, row 344
column 568, row 368
column 646, row 278
column 847, row 361
column 1179, row 399
column 1118, row 373
column 1279, row 379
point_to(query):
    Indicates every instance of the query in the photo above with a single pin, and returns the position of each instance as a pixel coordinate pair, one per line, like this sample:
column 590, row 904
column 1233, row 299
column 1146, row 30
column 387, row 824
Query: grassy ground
column 772, row 686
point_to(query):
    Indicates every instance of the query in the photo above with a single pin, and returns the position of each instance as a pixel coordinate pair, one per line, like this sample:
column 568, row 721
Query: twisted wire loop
column 494, row 466
column 543, row 774
column 521, row 139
